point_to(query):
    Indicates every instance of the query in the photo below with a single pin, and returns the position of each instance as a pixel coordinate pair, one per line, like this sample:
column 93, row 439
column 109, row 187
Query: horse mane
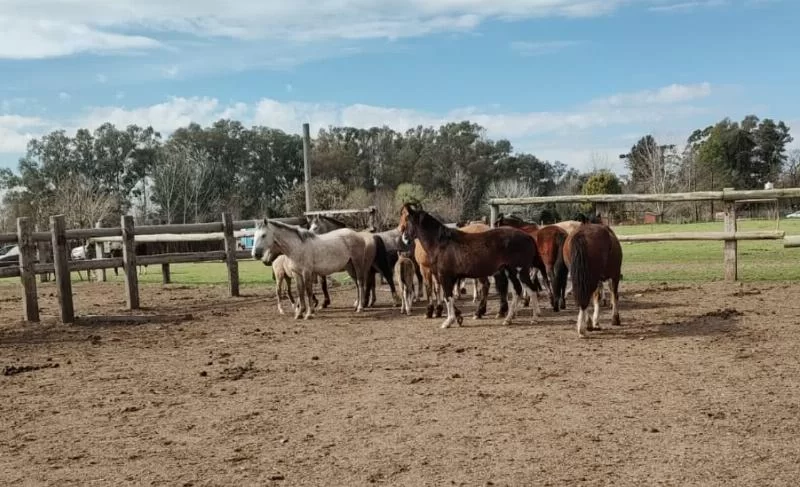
column 302, row 233
column 333, row 220
column 443, row 232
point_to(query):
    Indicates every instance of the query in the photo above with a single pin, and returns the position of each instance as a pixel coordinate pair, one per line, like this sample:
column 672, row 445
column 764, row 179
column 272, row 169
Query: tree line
column 198, row 172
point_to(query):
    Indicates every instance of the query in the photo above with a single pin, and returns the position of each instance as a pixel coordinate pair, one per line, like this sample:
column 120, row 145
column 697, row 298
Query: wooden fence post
column 27, row 273
column 493, row 211
column 100, row 274
column 129, row 263
column 230, row 254
column 166, row 277
column 373, row 217
column 731, row 246
column 61, row 265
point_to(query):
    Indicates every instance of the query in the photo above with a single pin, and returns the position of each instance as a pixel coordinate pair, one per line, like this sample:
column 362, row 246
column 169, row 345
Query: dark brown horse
column 455, row 255
column 549, row 241
column 593, row 255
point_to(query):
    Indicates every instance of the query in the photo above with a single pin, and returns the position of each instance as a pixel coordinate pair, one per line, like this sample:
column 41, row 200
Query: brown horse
column 433, row 289
column 593, row 255
column 454, row 254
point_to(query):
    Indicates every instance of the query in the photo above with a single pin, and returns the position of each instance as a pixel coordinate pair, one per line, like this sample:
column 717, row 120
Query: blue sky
column 572, row 80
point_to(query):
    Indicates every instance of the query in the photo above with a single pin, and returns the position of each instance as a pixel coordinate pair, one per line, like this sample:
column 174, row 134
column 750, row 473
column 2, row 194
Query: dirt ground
column 700, row 386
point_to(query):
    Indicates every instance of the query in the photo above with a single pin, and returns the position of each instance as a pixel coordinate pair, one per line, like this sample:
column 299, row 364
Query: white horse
column 342, row 249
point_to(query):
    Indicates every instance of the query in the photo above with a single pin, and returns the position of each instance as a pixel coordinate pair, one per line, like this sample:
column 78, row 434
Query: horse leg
column 323, row 283
column 429, row 293
column 301, row 295
column 596, row 303
column 370, row 288
column 438, row 292
column 360, row 287
column 420, row 284
column 512, row 310
column 603, row 292
column 453, row 314
column 278, row 291
column 484, row 294
column 501, row 282
column 308, row 280
column 583, row 318
column 525, row 277
column 615, row 302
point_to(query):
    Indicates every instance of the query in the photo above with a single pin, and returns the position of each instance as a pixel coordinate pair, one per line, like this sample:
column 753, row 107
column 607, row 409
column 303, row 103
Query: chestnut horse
column 454, row 254
column 593, row 255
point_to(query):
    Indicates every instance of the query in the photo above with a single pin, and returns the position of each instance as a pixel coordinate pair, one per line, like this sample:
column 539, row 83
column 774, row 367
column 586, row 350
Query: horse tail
column 582, row 288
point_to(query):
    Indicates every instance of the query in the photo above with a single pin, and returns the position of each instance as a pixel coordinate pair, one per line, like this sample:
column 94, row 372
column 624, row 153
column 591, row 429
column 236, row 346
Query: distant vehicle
column 9, row 256
column 796, row 214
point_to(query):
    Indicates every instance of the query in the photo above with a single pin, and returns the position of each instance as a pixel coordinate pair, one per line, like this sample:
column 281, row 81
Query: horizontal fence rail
column 697, row 236
column 724, row 195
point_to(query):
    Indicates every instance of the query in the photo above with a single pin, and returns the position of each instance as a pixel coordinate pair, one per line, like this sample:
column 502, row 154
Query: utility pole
column 307, row 164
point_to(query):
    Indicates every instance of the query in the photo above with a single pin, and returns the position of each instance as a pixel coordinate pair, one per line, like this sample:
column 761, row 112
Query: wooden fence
column 62, row 266
column 370, row 212
column 728, row 196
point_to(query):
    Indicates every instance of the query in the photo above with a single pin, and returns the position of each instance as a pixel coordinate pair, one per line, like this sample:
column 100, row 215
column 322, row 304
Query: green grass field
column 764, row 260
column 760, row 260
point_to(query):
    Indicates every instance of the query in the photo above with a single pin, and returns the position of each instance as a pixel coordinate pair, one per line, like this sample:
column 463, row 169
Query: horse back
column 602, row 247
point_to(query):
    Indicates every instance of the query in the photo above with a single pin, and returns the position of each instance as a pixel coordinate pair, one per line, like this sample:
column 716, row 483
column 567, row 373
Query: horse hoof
column 506, row 322
column 615, row 321
column 459, row 320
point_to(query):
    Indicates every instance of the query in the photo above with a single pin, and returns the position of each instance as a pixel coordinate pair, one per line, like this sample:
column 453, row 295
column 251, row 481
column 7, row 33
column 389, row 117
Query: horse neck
column 429, row 233
column 288, row 240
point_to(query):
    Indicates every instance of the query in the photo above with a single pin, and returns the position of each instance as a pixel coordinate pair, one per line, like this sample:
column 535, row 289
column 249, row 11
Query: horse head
column 315, row 224
column 264, row 247
column 409, row 217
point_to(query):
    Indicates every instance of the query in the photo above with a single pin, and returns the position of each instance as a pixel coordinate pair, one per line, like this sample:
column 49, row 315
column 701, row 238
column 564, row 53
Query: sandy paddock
column 700, row 386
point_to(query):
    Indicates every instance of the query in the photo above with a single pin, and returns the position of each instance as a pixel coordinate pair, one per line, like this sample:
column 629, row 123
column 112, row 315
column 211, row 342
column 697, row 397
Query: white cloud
column 164, row 117
column 101, row 78
column 64, row 96
column 171, row 71
column 46, row 36
column 674, row 93
column 675, row 7
column 538, row 48
column 16, row 131
column 50, row 28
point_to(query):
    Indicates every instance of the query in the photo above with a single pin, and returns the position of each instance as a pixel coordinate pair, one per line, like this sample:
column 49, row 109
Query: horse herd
column 585, row 254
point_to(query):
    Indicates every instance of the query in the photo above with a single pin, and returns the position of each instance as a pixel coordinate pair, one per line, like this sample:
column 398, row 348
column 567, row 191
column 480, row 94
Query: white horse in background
column 339, row 250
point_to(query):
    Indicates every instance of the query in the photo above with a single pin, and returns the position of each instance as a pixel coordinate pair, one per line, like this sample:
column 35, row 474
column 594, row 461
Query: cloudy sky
column 571, row 80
